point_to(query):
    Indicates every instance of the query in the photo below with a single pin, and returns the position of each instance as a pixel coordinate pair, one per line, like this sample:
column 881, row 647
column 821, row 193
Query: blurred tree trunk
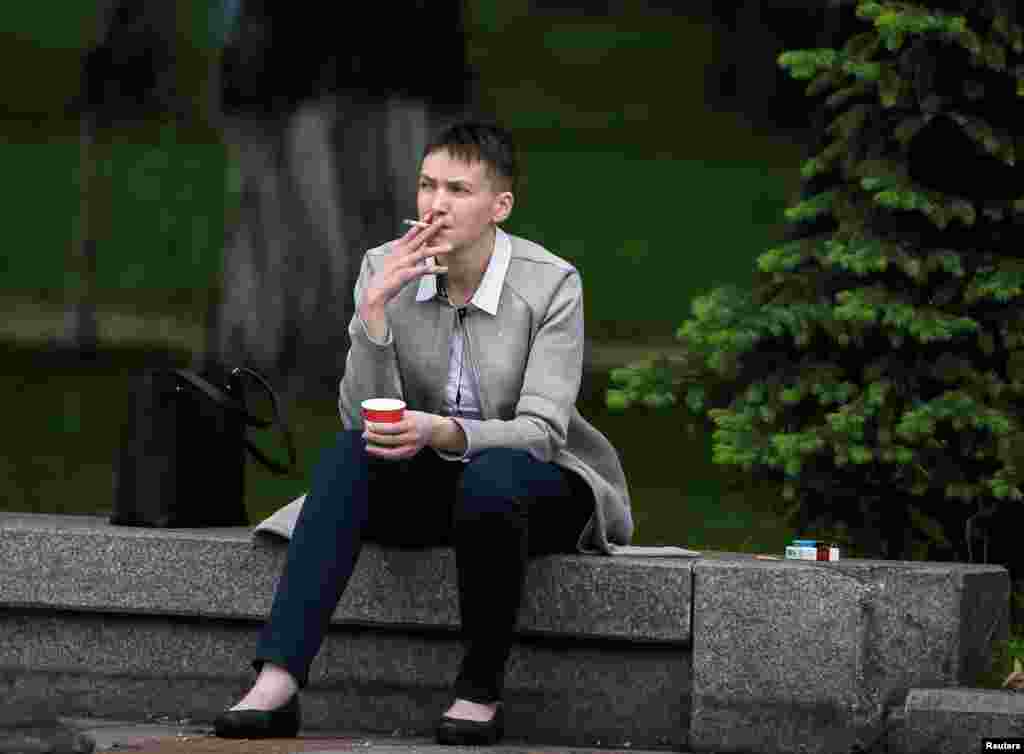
column 325, row 126
column 319, row 186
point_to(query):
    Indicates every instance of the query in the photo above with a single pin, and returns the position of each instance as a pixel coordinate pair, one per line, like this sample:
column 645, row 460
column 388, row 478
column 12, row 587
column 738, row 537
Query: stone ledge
column 137, row 667
column 135, row 622
column 779, row 657
column 812, row 657
column 83, row 563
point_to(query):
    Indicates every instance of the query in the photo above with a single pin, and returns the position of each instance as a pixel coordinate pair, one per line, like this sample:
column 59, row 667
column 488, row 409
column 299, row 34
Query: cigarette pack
column 801, row 552
column 809, row 549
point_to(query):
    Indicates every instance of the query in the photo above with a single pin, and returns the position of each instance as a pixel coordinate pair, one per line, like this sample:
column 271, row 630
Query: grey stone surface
column 32, row 725
column 810, row 657
column 778, row 656
column 930, row 623
column 780, row 649
column 84, row 563
column 127, row 736
column 134, row 667
column 953, row 721
column 121, row 735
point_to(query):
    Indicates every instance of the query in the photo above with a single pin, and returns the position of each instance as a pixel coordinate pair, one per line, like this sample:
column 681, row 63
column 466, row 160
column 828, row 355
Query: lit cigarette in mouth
column 431, row 262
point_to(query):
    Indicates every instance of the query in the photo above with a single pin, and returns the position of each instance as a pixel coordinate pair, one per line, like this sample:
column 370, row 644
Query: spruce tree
column 876, row 372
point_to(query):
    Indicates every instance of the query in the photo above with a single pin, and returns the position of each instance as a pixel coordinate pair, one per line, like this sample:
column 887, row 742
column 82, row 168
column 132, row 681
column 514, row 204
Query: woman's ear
column 503, row 206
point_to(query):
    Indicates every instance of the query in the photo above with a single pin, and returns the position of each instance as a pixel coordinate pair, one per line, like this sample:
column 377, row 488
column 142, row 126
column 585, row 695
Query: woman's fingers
column 425, row 236
column 409, row 255
column 433, row 251
column 408, row 245
column 421, row 269
column 387, row 434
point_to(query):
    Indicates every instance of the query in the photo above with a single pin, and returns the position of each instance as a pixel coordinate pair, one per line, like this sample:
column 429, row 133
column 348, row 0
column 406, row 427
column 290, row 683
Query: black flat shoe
column 282, row 722
column 471, row 732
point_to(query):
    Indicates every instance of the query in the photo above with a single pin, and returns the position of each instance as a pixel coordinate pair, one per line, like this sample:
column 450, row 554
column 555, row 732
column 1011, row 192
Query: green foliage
column 877, row 369
column 894, row 23
column 648, row 383
column 811, row 208
column 804, row 64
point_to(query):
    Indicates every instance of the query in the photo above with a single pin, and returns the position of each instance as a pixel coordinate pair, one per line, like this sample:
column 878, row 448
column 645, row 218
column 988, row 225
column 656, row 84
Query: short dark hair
column 481, row 141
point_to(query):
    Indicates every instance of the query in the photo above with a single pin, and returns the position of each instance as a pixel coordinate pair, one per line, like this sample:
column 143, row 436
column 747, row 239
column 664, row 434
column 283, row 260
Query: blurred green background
column 654, row 194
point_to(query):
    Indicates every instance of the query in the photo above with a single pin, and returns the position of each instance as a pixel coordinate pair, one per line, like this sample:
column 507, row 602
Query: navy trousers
column 496, row 511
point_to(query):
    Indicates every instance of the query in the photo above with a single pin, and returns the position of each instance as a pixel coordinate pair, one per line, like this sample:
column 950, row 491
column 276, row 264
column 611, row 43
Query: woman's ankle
column 463, row 709
column 274, row 688
column 274, row 677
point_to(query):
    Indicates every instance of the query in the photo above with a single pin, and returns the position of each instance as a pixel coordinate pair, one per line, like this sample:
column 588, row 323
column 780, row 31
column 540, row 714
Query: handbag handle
column 221, row 398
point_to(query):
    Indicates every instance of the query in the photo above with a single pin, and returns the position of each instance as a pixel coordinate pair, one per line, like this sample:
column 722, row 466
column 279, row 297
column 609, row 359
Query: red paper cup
column 383, row 410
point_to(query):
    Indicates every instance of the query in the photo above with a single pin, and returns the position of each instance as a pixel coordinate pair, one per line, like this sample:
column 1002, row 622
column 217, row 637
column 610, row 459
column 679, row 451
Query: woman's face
column 461, row 195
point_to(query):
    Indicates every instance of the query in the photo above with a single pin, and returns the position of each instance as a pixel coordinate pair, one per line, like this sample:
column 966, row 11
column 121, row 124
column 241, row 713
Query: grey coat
column 525, row 338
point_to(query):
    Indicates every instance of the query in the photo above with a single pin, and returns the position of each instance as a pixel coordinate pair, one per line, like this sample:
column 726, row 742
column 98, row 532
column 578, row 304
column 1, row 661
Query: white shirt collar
column 489, row 291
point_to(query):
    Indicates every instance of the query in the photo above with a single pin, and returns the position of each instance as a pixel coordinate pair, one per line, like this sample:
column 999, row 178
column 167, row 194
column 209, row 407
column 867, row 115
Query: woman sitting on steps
column 491, row 457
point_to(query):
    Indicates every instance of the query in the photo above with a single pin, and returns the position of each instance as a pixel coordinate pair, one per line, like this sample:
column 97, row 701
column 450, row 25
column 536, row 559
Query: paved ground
column 114, row 737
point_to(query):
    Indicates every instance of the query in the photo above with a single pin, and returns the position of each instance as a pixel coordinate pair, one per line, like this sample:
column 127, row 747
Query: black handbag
column 181, row 461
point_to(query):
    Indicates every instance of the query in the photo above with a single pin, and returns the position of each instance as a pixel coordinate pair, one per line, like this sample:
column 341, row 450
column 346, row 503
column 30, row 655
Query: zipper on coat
column 461, row 312
column 473, row 373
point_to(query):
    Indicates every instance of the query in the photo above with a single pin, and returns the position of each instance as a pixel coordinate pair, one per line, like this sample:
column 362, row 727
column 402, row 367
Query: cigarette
column 431, row 262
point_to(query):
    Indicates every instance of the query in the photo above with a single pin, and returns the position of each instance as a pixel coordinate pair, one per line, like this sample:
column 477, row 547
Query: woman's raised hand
column 407, row 261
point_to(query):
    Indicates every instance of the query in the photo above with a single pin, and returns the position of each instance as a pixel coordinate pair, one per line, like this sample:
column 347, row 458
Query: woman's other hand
column 402, row 439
